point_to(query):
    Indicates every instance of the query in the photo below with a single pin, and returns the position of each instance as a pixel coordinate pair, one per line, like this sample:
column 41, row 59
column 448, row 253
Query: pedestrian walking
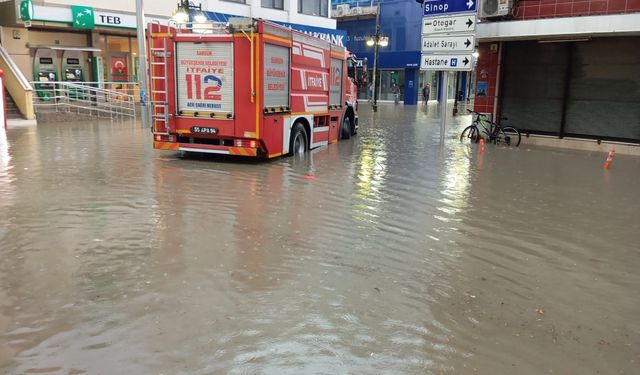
column 370, row 90
column 395, row 90
column 425, row 93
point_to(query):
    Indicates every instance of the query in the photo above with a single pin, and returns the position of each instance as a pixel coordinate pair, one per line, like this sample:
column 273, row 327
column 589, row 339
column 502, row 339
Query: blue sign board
column 437, row 7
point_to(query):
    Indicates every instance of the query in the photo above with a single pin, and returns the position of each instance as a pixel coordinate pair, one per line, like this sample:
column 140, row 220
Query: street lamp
column 375, row 41
column 199, row 17
column 183, row 13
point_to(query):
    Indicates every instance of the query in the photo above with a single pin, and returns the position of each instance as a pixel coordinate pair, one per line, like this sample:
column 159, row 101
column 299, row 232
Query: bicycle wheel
column 513, row 134
column 470, row 134
column 500, row 137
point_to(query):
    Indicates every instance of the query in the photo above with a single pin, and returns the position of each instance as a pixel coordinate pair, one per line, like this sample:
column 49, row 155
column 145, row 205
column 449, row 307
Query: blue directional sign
column 435, row 7
column 462, row 62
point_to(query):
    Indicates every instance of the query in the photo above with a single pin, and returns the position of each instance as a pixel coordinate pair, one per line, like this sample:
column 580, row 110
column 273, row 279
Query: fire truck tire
column 299, row 140
column 346, row 130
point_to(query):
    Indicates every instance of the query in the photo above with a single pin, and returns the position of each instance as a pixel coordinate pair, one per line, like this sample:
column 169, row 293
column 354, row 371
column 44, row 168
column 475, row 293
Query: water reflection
column 396, row 257
column 7, row 189
column 371, row 170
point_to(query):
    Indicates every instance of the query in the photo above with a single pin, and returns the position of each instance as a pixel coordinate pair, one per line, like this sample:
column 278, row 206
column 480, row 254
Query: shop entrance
column 429, row 77
column 585, row 89
column 390, row 81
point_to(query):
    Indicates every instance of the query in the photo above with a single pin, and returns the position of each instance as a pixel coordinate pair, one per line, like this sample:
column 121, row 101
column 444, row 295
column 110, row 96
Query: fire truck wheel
column 346, row 128
column 298, row 145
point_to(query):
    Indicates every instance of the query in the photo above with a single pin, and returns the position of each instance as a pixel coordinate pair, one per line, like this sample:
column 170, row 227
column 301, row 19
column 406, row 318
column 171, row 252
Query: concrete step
column 12, row 110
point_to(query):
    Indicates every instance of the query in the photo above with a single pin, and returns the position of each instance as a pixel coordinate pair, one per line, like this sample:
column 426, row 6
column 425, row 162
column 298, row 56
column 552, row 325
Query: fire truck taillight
column 246, row 143
column 161, row 138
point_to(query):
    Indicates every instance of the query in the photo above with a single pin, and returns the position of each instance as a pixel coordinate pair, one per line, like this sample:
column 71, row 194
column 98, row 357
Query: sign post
column 448, row 42
column 145, row 114
column 443, row 105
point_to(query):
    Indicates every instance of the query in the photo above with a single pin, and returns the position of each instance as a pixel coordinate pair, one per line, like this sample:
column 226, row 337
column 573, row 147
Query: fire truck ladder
column 159, row 80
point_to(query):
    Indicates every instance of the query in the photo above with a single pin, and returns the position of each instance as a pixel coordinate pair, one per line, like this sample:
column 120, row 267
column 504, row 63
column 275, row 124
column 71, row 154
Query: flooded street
column 380, row 255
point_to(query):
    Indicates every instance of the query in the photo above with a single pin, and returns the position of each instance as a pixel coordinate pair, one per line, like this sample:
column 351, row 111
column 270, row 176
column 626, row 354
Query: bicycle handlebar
column 478, row 113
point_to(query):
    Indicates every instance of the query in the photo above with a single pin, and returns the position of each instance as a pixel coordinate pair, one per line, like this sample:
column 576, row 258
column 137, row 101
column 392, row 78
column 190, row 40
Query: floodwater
column 396, row 257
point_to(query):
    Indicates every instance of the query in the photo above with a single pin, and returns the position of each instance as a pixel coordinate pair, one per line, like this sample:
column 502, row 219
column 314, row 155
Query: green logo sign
column 26, row 10
column 82, row 17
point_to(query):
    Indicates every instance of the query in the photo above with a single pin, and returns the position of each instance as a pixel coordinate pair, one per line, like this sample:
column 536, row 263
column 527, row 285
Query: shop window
column 314, row 7
column 428, row 77
column 391, row 82
column 273, row 4
column 118, row 44
column 117, row 60
column 451, row 85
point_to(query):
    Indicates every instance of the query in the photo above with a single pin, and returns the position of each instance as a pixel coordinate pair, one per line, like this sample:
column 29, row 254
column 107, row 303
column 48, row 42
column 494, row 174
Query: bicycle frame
column 482, row 126
column 481, row 123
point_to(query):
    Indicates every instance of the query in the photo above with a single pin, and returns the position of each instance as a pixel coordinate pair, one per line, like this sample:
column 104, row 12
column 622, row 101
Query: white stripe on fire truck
column 321, row 143
column 314, row 107
column 303, row 80
column 286, row 133
column 314, row 55
column 204, row 150
column 297, row 48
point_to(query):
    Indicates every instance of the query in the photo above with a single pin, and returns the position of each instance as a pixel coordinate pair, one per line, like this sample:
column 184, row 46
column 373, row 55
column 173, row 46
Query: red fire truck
column 248, row 87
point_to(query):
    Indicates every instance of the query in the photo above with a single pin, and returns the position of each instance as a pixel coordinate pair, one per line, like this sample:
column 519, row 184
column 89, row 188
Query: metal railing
column 100, row 99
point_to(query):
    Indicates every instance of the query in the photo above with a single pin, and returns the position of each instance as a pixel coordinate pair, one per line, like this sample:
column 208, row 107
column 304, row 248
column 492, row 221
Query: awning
column 63, row 48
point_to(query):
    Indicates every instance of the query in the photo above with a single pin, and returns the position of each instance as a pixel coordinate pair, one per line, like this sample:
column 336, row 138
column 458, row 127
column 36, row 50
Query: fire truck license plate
column 203, row 130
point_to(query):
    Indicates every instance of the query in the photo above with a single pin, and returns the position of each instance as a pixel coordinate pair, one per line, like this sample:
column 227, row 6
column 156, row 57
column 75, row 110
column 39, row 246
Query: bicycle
column 494, row 133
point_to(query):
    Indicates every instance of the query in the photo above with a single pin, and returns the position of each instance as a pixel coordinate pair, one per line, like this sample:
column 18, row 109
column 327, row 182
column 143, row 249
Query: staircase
column 12, row 110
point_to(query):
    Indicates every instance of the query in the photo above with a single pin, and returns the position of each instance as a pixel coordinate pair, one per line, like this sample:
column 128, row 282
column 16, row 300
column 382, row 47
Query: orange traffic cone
column 607, row 163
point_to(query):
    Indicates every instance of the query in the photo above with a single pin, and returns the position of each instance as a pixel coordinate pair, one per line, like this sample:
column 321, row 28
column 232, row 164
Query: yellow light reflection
column 456, row 181
column 371, row 174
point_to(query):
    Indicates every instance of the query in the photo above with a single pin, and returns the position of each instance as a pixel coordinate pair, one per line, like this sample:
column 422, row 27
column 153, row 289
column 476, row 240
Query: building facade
column 399, row 62
column 563, row 68
column 101, row 36
column 313, row 13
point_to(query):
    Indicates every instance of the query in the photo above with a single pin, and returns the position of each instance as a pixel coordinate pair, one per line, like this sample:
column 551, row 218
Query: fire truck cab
column 248, row 87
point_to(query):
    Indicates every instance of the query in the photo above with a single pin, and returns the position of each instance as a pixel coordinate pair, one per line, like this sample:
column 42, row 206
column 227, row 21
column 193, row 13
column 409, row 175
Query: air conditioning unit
column 341, row 10
column 495, row 8
column 356, row 11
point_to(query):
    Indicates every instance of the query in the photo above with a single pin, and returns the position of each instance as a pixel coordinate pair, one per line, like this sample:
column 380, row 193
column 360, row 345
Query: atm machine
column 73, row 69
column 45, row 71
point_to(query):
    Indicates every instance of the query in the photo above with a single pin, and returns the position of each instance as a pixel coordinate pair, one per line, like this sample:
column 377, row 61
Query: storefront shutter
column 604, row 94
column 533, row 85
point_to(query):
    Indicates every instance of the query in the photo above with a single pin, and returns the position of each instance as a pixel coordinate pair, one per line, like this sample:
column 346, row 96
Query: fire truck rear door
column 205, row 85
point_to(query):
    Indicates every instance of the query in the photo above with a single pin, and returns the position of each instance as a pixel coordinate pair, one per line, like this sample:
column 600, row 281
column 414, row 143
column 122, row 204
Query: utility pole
column 142, row 65
column 375, row 61
column 443, row 105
